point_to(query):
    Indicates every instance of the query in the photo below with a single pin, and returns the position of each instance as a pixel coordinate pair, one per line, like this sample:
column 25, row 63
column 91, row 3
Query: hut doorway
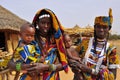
column 2, row 41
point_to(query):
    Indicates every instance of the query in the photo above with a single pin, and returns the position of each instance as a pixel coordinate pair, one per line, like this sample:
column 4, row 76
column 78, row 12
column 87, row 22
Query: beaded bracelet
column 18, row 66
column 52, row 67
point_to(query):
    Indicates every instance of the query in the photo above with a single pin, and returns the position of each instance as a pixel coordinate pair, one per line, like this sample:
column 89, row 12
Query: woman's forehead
column 99, row 25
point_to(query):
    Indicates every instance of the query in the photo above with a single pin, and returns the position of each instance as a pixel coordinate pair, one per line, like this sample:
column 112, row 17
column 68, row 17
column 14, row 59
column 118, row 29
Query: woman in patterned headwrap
column 49, row 37
column 99, row 56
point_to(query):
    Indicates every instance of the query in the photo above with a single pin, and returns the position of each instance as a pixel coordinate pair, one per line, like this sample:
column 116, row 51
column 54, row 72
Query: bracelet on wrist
column 52, row 67
column 18, row 66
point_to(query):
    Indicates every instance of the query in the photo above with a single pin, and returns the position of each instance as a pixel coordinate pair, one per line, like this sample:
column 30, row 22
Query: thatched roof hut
column 9, row 21
column 9, row 29
column 77, row 31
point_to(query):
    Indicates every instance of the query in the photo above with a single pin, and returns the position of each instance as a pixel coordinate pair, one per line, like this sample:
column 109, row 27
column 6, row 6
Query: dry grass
column 117, row 44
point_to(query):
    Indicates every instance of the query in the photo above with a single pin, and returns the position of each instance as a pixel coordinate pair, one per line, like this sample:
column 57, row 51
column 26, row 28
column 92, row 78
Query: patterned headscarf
column 57, row 35
column 105, row 20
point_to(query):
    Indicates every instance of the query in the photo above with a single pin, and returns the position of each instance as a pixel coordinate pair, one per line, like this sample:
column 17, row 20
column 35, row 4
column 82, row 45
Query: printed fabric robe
column 106, row 60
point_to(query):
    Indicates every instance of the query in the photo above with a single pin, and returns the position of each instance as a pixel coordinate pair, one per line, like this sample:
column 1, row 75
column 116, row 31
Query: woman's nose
column 101, row 29
column 46, row 25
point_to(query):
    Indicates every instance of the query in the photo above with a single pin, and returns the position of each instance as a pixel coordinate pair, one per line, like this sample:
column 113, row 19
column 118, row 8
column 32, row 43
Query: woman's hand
column 85, row 68
column 38, row 67
column 26, row 66
column 72, row 64
column 77, row 66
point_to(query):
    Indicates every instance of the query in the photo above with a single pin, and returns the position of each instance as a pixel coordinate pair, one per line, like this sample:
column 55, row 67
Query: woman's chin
column 45, row 31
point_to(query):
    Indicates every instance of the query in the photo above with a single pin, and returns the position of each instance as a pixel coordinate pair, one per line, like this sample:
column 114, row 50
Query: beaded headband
column 44, row 15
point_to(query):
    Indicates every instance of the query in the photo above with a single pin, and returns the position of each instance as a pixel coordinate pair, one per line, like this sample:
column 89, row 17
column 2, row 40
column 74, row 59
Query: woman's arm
column 58, row 65
column 40, row 67
column 12, row 65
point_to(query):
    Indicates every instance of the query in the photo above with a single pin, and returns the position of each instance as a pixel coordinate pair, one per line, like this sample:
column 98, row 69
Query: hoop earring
column 37, row 27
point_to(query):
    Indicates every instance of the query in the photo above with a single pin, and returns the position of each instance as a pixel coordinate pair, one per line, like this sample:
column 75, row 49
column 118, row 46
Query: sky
column 69, row 12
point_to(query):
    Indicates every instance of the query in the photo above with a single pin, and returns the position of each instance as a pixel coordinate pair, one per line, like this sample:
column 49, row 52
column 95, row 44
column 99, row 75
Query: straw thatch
column 9, row 21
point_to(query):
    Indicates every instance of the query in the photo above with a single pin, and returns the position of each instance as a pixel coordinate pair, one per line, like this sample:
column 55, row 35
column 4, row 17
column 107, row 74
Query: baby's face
column 28, row 35
column 67, row 41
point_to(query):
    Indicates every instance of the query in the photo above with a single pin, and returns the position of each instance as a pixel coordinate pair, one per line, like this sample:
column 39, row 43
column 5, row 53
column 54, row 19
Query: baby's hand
column 80, row 60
